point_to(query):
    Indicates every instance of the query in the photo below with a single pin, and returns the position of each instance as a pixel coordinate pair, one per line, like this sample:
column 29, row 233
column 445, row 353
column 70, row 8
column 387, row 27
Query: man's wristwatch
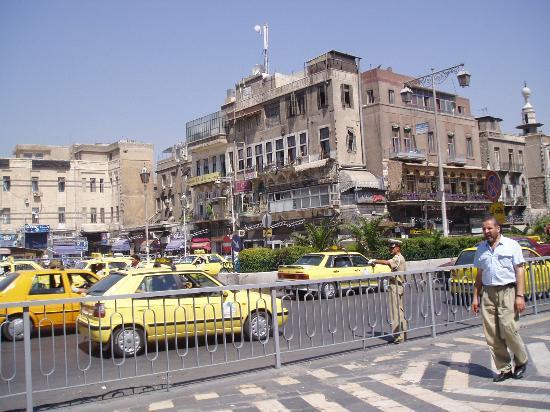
column 520, row 296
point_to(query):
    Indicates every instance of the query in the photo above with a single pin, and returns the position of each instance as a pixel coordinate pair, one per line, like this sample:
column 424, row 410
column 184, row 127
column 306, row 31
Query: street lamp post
column 431, row 80
column 144, row 175
column 231, row 181
column 184, row 207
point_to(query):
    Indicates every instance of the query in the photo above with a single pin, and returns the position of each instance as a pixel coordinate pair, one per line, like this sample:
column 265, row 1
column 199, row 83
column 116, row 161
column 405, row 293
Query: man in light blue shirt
column 500, row 272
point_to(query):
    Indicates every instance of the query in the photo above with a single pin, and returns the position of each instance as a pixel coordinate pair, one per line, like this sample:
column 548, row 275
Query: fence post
column 533, row 287
column 275, row 320
column 432, row 306
column 28, row 360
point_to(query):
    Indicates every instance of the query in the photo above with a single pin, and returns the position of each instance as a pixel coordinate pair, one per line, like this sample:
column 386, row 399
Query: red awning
column 201, row 245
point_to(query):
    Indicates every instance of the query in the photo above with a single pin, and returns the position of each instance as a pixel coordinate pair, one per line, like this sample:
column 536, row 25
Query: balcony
column 206, row 132
column 457, row 159
column 433, row 196
column 250, row 211
column 511, row 167
column 405, row 154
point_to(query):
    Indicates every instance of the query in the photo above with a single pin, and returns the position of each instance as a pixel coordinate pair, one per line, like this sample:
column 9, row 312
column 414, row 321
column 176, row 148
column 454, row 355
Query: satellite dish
column 257, row 28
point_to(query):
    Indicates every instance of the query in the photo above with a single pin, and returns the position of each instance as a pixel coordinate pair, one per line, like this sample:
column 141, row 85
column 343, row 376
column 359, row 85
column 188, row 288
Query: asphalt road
column 315, row 327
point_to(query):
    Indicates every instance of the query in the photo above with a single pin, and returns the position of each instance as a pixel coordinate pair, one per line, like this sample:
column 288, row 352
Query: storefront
column 175, row 246
column 36, row 236
column 201, row 243
column 121, row 246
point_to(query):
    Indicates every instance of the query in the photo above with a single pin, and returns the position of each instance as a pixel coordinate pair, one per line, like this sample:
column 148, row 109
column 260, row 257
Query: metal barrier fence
column 69, row 343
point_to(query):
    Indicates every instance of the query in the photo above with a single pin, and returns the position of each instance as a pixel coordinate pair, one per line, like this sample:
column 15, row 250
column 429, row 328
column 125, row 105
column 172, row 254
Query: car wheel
column 13, row 328
column 328, row 290
column 128, row 341
column 257, row 326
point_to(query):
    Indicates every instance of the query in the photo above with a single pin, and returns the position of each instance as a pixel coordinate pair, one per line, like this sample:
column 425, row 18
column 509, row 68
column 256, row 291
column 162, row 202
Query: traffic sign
column 236, row 243
column 497, row 211
column 268, row 232
column 493, row 186
column 81, row 245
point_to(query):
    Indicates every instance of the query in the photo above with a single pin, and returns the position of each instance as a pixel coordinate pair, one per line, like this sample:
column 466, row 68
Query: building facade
column 401, row 146
column 56, row 195
column 288, row 146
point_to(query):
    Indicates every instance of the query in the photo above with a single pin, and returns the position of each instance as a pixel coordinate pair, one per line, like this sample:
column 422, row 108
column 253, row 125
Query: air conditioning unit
column 37, row 194
column 335, row 203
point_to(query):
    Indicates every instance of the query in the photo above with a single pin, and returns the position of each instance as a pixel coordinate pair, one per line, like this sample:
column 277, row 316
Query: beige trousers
column 397, row 310
column 500, row 323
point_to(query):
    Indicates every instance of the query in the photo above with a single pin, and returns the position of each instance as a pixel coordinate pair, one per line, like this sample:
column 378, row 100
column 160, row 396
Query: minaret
column 529, row 123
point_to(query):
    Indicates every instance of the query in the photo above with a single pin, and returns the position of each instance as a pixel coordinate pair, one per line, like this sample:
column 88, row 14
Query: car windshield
column 80, row 265
column 312, row 260
column 105, row 284
column 524, row 242
column 466, row 258
column 5, row 281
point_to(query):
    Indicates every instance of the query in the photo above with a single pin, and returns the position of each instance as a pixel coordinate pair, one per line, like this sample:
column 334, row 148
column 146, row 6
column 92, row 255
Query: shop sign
column 199, row 180
column 37, row 228
column 242, row 186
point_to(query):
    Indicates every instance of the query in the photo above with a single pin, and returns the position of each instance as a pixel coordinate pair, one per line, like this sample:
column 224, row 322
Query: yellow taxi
column 128, row 324
column 211, row 263
column 42, row 284
column 462, row 280
column 13, row 265
column 104, row 265
column 330, row 264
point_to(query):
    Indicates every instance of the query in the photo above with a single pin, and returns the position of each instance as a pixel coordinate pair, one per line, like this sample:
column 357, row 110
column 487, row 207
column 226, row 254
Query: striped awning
column 358, row 179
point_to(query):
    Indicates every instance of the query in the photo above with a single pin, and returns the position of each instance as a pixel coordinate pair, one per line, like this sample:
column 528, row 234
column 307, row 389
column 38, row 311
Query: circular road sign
column 493, row 186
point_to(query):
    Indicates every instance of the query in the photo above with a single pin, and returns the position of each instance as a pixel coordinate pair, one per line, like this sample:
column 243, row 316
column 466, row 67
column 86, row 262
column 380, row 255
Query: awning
column 61, row 250
column 201, row 243
column 358, row 179
column 121, row 245
column 175, row 244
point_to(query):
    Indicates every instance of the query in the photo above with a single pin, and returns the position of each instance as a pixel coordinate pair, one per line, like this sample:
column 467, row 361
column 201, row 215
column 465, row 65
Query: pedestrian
column 395, row 290
column 135, row 261
column 501, row 276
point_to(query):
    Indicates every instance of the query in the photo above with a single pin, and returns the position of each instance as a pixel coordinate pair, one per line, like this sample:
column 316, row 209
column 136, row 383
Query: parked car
column 129, row 323
column 462, row 280
column 42, row 285
column 104, row 265
column 330, row 264
column 540, row 248
column 211, row 263
column 14, row 265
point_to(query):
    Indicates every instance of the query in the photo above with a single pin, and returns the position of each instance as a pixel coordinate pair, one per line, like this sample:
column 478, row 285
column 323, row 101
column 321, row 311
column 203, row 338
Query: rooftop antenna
column 264, row 30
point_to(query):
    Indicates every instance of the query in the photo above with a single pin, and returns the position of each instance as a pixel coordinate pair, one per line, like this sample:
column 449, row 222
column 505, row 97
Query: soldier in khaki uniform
column 395, row 291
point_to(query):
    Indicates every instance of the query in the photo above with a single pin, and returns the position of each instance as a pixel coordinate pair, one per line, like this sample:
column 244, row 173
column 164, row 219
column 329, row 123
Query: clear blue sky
column 97, row 71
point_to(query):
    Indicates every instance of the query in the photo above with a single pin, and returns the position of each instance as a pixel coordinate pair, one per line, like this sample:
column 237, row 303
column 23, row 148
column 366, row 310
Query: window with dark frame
column 469, row 147
column 249, row 157
column 6, row 183
column 350, row 141
column 280, row 152
column 258, row 151
column 34, row 185
column 291, row 148
column 431, row 142
column 347, row 95
column 101, row 185
column 92, row 184
column 322, row 99
column 269, row 153
column 240, row 155
column 324, row 140
column 61, row 215
column 303, row 144
column 205, row 168
column 391, row 96
column 296, row 104
column 370, row 96
column 93, row 215
column 102, row 215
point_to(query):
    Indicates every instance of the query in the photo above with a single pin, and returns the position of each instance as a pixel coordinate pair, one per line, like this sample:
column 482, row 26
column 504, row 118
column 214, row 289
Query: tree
column 367, row 232
column 319, row 236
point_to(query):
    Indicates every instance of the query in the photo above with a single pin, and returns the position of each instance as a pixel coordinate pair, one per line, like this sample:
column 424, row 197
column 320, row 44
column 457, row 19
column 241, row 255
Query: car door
column 78, row 283
column 206, row 311
column 362, row 268
column 213, row 265
column 340, row 266
column 45, row 286
column 157, row 313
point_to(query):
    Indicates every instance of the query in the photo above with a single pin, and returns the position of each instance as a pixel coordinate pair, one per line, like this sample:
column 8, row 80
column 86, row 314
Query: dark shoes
column 519, row 371
column 502, row 376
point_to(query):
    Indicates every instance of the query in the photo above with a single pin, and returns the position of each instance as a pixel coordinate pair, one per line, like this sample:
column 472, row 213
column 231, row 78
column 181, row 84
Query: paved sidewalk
column 451, row 372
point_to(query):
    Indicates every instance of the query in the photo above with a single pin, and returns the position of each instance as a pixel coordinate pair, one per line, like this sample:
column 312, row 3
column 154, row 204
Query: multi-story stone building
column 505, row 154
column 285, row 145
column 55, row 193
column 537, row 153
column 400, row 143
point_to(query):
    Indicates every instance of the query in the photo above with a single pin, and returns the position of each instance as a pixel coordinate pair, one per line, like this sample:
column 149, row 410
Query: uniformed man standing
column 395, row 291
column 501, row 275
